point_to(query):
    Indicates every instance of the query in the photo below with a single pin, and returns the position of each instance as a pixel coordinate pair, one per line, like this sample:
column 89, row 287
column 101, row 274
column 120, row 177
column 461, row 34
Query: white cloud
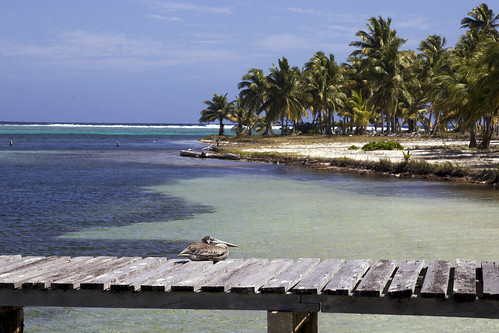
column 305, row 11
column 188, row 7
column 419, row 23
column 165, row 18
column 88, row 50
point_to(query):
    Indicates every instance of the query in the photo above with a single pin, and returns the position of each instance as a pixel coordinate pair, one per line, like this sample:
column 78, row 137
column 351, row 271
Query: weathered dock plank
column 45, row 276
column 258, row 276
column 436, row 281
column 163, row 283
column 18, row 265
column 91, row 269
column 219, row 269
column 347, row 277
column 15, row 278
column 134, row 267
column 220, row 283
column 375, row 280
column 7, row 258
column 405, row 279
column 464, row 288
column 319, row 276
column 134, row 282
column 290, row 276
column 490, row 277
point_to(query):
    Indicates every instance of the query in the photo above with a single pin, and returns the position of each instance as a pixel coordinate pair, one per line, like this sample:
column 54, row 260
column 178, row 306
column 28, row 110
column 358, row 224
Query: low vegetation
column 382, row 145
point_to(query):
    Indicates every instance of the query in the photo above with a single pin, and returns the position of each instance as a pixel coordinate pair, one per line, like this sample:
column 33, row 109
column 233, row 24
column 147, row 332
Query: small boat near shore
column 208, row 154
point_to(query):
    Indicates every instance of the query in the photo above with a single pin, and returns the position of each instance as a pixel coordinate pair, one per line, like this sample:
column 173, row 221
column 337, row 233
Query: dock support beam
column 292, row 322
column 11, row 319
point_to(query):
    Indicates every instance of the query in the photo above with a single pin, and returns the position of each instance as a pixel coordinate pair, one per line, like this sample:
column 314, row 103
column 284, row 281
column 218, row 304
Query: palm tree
column 243, row 117
column 434, row 61
column 219, row 108
column 484, row 96
column 284, row 97
column 325, row 82
column 253, row 92
column 381, row 64
column 483, row 20
column 360, row 110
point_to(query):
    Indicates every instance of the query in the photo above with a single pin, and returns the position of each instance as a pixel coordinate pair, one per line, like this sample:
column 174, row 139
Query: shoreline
column 442, row 159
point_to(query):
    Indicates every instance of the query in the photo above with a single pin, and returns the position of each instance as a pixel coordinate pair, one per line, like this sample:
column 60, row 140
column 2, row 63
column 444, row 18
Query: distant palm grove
column 437, row 89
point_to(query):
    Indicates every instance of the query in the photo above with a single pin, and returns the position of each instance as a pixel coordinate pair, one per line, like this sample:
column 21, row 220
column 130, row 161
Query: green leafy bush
column 353, row 147
column 382, row 145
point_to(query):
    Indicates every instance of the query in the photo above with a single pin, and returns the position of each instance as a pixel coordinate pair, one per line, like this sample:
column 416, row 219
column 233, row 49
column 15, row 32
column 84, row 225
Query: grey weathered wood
column 114, row 265
column 7, row 258
column 219, row 283
column 313, row 282
column 490, row 276
column 11, row 319
column 14, row 279
column 186, row 271
column 213, row 272
column 290, row 276
column 92, row 268
column 436, row 281
column 18, row 265
column 290, row 322
column 347, row 277
column 134, row 282
column 255, row 278
column 405, row 279
column 48, row 274
column 375, row 280
column 134, row 267
column 464, row 288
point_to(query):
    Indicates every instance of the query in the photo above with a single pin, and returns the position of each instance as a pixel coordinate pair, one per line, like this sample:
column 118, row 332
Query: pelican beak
column 217, row 241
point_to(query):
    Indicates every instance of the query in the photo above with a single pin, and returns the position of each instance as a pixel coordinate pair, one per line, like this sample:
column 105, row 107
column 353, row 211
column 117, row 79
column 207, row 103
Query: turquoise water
column 70, row 192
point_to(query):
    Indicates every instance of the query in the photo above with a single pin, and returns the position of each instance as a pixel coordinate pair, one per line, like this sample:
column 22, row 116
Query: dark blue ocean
column 123, row 190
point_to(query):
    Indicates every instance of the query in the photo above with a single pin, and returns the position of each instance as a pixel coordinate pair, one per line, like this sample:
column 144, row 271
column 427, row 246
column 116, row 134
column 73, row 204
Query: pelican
column 208, row 249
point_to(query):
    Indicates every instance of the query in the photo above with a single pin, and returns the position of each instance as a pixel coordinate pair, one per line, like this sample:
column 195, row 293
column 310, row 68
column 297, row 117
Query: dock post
column 292, row 322
column 11, row 319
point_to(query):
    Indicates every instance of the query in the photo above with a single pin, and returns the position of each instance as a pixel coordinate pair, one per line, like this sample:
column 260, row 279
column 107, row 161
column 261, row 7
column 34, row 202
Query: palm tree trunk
column 221, row 129
column 473, row 136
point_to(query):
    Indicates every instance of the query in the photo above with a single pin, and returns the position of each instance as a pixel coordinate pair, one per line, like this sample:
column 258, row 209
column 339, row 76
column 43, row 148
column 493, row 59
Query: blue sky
column 153, row 61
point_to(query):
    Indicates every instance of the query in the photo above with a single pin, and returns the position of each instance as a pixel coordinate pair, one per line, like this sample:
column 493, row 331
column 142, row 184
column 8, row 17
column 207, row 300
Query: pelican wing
column 203, row 251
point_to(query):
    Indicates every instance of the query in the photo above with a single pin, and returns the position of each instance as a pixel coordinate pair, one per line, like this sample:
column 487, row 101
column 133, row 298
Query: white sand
column 431, row 150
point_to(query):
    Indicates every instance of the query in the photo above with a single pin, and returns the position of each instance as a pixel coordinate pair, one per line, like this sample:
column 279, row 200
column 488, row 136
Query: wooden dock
column 291, row 291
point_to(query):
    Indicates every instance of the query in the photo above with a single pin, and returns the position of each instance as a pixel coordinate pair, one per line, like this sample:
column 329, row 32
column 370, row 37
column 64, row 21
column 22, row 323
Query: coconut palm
column 360, row 111
column 483, row 20
column 243, row 117
column 434, row 61
column 219, row 108
column 253, row 92
column 325, row 82
column 381, row 64
column 284, row 96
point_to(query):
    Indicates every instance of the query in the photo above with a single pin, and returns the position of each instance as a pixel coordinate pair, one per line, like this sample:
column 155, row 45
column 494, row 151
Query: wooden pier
column 291, row 291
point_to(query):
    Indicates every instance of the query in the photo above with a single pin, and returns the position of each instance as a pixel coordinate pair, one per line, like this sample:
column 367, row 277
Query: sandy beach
column 432, row 150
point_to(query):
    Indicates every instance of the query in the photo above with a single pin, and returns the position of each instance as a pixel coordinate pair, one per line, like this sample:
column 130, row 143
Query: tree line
column 434, row 89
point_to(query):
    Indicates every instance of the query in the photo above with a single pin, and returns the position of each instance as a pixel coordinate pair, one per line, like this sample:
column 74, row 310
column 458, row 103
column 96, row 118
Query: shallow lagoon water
column 77, row 194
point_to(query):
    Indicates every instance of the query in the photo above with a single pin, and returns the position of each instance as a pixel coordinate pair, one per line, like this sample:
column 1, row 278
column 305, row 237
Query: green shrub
column 382, row 145
column 353, row 147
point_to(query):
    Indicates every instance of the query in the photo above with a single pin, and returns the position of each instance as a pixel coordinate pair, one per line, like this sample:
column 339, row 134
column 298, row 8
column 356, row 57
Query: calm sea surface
column 70, row 190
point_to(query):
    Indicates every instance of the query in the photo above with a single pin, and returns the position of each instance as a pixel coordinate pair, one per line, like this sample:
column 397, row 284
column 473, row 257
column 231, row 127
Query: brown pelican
column 208, row 249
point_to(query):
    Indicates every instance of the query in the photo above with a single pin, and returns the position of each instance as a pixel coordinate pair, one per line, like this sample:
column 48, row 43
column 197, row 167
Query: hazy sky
column 153, row 61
